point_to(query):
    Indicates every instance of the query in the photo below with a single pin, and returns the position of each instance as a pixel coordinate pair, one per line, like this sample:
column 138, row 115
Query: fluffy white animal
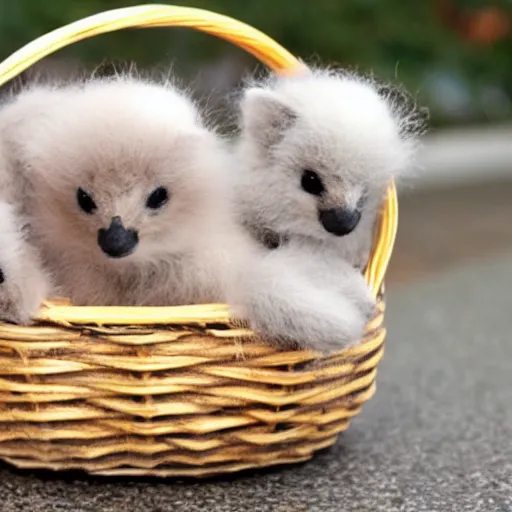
column 126, row 191
column 24, row 284
column 313, row 161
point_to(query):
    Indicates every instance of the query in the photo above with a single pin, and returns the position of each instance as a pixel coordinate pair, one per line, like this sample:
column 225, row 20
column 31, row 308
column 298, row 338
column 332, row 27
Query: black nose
column 339, row 221
column 117, row 241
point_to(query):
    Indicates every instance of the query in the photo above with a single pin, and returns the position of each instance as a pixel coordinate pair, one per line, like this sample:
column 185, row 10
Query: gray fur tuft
column 356, row 136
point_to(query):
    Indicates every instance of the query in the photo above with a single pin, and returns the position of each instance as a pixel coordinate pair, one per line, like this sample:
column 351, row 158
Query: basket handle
column 250, row 39
column 265, row 49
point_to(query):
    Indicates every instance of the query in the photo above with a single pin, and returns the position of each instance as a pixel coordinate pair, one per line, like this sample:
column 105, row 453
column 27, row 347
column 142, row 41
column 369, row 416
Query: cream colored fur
column 24, row 282
column 119, row 139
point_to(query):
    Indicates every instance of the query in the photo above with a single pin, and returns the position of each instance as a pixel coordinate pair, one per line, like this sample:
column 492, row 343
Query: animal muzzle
column 339, row 221
column 117, row 241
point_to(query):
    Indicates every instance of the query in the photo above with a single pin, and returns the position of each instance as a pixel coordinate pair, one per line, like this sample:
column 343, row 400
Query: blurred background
column 454, row 55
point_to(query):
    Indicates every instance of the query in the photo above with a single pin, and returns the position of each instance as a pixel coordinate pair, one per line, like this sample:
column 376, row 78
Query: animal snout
column 339, row 221
column 117, row 241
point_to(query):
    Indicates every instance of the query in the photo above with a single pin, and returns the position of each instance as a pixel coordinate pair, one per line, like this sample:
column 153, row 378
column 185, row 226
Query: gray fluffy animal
column 313, row 161
column 125, row 191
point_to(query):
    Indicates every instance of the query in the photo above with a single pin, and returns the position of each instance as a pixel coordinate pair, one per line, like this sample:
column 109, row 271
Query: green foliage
column 396, row 39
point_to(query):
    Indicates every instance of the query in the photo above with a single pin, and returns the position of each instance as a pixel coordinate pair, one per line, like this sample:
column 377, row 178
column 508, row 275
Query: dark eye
column 312, row 183
column 85, row 201
column 157, row 198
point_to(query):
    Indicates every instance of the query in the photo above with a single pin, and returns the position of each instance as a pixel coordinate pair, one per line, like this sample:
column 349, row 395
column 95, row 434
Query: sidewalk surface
column 466, row 154
column 435, row 438
column 440, row 229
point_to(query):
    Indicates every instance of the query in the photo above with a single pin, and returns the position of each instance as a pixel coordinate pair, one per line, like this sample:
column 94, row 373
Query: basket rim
column 255, row 42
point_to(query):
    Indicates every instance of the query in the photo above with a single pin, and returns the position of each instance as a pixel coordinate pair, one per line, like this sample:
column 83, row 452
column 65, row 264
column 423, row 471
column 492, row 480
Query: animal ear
column 413, row 119
column 265, row 116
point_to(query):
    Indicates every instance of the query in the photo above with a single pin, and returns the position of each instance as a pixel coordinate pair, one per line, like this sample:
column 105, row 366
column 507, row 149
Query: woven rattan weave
column 177, row 391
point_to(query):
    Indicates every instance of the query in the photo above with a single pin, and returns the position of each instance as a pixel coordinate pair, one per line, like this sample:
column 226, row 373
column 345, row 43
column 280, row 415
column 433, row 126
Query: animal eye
column 85, row 201
column 312, row 183
column 157, row 198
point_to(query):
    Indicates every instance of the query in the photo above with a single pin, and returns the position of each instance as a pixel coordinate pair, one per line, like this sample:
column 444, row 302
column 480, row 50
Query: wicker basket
column 174, row 391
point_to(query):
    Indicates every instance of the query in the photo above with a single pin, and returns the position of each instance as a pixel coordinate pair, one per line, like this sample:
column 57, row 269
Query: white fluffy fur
column 119, row 139
column 356, row 136
column 296, row 296
column 25, row 284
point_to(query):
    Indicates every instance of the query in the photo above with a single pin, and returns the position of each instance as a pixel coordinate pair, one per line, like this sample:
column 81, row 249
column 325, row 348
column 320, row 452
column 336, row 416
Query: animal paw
column 20, row 301
column 23, row 282
column 357, row 291
column 369, row 308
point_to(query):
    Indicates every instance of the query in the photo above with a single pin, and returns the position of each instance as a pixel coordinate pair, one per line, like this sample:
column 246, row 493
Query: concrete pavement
column 436, row 437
